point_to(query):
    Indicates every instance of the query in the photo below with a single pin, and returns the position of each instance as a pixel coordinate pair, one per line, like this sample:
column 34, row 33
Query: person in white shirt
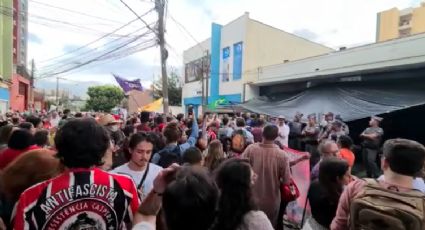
column 283, row 131
column 138, row 168
column 54, row 120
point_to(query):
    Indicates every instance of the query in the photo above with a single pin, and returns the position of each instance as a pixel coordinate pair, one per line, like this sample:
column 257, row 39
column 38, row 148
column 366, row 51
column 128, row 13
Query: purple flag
column 127, row 85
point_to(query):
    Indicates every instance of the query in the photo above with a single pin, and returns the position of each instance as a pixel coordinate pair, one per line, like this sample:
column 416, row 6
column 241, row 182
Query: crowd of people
column 60, row 170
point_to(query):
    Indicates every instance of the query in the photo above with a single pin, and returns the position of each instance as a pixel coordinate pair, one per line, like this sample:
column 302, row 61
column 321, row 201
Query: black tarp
column 352, row 101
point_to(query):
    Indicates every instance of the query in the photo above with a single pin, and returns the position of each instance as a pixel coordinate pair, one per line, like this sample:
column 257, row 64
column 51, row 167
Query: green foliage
column 104, row 98
column 174, row 89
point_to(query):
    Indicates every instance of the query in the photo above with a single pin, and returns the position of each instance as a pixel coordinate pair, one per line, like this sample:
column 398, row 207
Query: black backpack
column 168, row 157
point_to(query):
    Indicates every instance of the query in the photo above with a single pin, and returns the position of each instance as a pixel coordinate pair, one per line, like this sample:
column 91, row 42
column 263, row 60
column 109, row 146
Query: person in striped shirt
column 83, row 196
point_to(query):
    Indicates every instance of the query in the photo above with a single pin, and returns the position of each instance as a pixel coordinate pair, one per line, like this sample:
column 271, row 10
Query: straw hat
column 107, row 119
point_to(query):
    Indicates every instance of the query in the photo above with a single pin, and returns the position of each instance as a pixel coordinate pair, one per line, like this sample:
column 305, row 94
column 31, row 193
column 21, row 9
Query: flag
column 216, row 103
column 152, row 107
column 127, row 85
column 300, row 173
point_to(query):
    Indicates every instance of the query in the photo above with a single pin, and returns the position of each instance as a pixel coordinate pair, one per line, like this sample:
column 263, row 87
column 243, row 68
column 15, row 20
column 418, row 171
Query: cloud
column 75, row 88
column 129, row 67
column 34, row 38
column 334, row 23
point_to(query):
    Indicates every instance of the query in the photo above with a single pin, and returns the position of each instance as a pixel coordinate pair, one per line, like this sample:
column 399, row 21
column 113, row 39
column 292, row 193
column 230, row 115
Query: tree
column 104, row 98
column 174, row 89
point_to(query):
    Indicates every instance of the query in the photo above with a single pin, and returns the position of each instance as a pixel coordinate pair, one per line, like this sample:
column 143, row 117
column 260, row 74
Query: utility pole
column 32, row 82
column 207, row 74
column 57, row 92
column 203, row 85
column 159, row 6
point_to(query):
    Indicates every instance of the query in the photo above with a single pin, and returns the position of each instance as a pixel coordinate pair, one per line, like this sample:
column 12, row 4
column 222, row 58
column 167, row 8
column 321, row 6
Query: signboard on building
column 195, row 69
column 237, row 61
column 226, row 64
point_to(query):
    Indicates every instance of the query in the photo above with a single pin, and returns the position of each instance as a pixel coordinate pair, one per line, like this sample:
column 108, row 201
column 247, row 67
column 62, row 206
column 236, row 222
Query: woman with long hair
column 324, row 193
column 236, row 207
column 215, row 155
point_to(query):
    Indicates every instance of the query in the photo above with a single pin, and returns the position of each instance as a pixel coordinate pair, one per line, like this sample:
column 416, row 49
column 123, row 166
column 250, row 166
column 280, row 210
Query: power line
column 96, row 58
column 104, row 62
column 187, row 31
column 51, row 24
column 137, row 15
column 75, row 12
column 89, row 52
column 11, row 13
column 94, row 41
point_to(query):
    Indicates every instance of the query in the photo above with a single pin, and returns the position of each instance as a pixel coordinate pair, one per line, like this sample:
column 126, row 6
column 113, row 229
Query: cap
column 107, row 119
column 281, row 117
column 378, row 119
column 329, row 114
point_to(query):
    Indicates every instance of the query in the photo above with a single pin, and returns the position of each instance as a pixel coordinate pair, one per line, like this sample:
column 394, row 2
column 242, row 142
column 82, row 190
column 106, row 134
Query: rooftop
column 408, row 52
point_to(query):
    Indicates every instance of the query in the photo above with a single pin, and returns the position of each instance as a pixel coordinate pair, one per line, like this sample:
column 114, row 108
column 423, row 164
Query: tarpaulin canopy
column 351, row 101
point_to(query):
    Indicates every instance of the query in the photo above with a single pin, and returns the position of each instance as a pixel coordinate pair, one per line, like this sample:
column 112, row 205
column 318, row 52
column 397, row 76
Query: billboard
column 226, row 64
column 194, row 69
column 237, row 60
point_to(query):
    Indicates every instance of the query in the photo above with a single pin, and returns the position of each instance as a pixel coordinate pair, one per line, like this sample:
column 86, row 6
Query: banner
column 220, row 101
column 226, row 64
column 127, row 85
column 237, row 61
column 301, row 176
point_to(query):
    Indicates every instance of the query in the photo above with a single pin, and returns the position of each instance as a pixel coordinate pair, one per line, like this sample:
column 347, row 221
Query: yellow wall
column 388, row 24
column 418, row 20
column 266, row 46
column 6, row 39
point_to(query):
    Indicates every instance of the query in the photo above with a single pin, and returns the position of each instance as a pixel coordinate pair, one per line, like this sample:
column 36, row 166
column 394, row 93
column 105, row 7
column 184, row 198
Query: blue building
column 234, row 55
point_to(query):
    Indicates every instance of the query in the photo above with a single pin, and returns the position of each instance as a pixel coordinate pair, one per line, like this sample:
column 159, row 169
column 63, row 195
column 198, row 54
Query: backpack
column 168, row 157
column 381, row 208
column 239, row 142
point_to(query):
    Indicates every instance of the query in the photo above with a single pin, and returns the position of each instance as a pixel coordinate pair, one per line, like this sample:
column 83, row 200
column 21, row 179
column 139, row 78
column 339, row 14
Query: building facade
column 233, row 57
column 6, row 50
column 395, row 23
column 21, row 88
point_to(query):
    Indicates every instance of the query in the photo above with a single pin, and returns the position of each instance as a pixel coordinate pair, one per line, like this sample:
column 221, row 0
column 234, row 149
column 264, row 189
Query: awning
column 350, row 101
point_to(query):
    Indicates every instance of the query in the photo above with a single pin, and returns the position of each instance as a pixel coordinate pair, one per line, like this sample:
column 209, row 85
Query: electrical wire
column 52, row 23
column 96, row 58
column 75, row 12
column 96, row 40
column 187, row 31
column 89, row 52
column 42, row 21
column 120, row 51
column 88, row 67
column 134, row 12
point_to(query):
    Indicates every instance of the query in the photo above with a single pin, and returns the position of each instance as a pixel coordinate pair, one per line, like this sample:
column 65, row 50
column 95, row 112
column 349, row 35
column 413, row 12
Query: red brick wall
column 19, row 100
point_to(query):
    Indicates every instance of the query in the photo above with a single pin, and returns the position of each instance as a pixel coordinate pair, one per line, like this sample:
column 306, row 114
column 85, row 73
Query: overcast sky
column 54, row 32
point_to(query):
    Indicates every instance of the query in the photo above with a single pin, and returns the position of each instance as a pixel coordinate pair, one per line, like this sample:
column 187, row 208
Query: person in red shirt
column 83, row 196
column 20, row 141
column 344, row 144
column 144, row 122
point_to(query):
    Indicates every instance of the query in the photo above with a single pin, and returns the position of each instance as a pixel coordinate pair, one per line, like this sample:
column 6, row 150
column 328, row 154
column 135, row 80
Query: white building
column 234, row 57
